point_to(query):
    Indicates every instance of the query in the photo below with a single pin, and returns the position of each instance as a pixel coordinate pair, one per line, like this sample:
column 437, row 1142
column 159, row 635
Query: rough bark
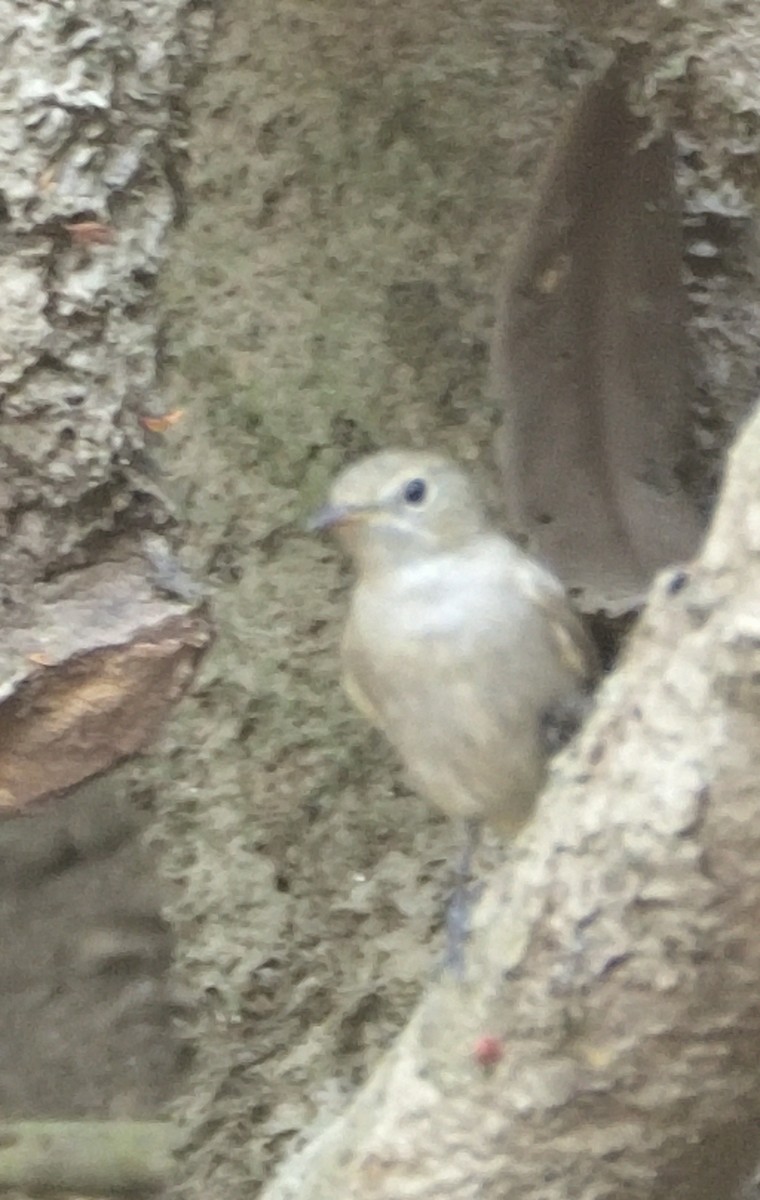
column 98, row 633
column 89, row 135
column 88, row 676
column 616, row 956
column 89, row 141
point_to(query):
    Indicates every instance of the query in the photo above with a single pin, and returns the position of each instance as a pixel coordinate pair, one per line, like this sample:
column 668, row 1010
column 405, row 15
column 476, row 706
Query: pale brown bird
column 461, row 648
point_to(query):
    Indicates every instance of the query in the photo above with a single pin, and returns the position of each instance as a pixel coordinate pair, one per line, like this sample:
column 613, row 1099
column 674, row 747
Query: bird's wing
column 564, row 626
column 358, row 684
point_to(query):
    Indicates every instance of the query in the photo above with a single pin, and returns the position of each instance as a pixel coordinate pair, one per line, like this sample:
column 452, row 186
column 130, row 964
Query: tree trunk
column 96, row 643
column 100, row 631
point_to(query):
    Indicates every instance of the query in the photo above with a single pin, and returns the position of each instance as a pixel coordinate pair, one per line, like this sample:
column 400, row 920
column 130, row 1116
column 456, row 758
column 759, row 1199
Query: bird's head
column 399, row 505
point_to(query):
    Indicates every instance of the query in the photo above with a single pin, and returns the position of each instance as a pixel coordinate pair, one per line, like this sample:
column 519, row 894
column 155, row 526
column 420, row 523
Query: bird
column 459, row 646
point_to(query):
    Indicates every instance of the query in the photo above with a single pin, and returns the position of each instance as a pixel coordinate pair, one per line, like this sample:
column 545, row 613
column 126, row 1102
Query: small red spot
column 488, row 1050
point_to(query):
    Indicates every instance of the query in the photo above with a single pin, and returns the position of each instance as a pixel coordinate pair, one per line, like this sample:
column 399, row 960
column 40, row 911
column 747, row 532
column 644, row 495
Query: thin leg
column 458, row 913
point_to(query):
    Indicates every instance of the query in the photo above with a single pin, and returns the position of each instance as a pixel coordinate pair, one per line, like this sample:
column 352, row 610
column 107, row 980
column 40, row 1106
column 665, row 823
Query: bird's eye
column 415, row 491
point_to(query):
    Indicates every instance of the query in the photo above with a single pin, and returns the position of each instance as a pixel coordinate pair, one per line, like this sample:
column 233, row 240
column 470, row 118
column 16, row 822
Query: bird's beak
column 334, row 516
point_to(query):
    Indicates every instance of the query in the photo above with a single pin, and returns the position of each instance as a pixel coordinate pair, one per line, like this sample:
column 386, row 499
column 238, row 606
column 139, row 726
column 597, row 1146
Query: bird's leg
column 458, row 914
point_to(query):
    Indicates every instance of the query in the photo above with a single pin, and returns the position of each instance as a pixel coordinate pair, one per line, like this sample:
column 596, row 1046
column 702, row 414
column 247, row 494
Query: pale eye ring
column 415, row 491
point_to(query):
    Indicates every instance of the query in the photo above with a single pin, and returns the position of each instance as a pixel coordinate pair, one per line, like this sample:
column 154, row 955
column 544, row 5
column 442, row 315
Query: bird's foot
column 458, row 927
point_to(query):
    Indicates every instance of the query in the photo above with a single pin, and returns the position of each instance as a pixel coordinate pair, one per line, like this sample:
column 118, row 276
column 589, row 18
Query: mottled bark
column 616, row 955
column 90, row 137
column 90, row 130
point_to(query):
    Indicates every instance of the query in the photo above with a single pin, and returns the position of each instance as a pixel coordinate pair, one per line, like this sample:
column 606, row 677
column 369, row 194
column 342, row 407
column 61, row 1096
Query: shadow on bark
column 591, row 361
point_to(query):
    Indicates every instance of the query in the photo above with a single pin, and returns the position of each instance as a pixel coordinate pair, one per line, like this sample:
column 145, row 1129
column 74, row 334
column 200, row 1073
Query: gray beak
column 329, row 516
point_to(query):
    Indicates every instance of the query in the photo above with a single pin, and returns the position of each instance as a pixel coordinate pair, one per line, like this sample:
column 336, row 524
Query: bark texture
column 89, row 133
column 89, row 128
column 96, row 637
column 88, row 677
column 616, row 956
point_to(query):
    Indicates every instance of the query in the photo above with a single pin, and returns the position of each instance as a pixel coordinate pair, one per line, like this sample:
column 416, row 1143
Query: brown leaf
column 162, row 423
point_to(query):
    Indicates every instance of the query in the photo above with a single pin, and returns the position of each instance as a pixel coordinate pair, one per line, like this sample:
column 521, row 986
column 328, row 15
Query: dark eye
column 415, row 491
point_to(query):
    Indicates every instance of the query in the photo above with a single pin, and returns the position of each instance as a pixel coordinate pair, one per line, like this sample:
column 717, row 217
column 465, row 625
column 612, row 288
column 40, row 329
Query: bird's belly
column 456, row 783
column 453, row 702
column 466, row 764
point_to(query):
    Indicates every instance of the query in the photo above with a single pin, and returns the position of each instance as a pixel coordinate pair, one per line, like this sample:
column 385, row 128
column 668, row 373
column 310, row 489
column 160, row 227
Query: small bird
column 460, row 647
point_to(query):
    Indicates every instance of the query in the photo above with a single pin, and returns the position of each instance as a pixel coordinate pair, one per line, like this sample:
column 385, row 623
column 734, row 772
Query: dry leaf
column 162, row 423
